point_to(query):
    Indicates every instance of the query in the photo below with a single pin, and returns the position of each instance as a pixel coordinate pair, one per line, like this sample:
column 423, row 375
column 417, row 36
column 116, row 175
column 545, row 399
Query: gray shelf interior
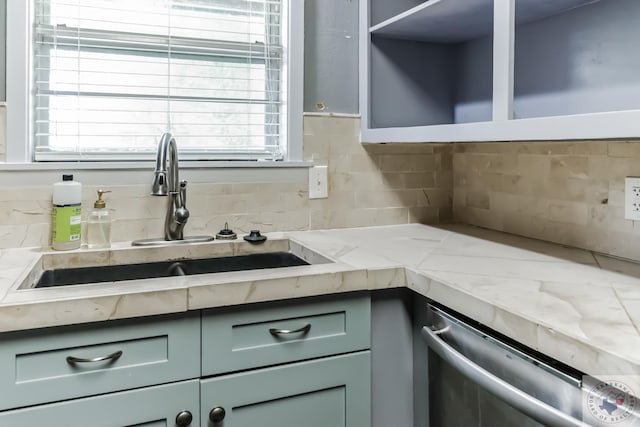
column 442, row 21
column 581, row 61
column 455, row 21
column 415, row 83
column 381, row 10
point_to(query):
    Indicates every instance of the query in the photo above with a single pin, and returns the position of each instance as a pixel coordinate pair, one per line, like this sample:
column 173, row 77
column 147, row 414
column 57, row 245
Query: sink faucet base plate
column 160, row 241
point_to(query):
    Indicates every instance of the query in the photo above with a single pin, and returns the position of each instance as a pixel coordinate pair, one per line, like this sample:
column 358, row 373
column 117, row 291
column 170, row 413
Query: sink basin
column 115, row 273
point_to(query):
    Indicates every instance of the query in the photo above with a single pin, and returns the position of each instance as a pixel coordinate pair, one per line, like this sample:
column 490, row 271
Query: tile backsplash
column 568, row 192
column 368, row 185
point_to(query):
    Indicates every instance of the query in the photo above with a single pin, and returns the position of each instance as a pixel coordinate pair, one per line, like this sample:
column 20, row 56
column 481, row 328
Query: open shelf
column 441, row 21
column 578, row 62
column 533, row 10
column 455, row 21
column 415, row 83
column 428, row 70
column 380, row 11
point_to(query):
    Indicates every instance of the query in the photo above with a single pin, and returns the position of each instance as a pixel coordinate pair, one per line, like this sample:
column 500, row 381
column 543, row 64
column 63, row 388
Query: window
column 108, row 77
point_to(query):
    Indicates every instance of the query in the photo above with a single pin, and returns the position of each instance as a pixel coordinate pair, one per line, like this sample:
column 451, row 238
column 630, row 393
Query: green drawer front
column 34, row 365
column 333, row 391
column 238, row 339
column 149, row 407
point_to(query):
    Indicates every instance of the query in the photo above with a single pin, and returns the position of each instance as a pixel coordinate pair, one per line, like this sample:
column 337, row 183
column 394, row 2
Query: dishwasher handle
column 515, row 397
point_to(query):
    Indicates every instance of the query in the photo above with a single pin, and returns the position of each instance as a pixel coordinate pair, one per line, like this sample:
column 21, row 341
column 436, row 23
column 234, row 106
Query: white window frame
column 19, row 136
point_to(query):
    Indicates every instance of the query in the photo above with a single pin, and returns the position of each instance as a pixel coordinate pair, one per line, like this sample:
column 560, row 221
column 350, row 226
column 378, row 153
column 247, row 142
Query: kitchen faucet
column 166, row 181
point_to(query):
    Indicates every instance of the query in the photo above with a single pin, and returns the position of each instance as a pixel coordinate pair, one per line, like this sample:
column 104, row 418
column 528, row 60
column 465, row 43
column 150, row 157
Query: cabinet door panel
column 314, row 409
column 149, row 407
column 334, row 391
column 161, row 423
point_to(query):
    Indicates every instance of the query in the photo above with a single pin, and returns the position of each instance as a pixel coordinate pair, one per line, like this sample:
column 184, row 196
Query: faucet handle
column 182, row 213
column 183, row 193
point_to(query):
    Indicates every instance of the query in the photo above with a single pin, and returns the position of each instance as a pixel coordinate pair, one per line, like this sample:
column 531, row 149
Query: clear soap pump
column 99, row 224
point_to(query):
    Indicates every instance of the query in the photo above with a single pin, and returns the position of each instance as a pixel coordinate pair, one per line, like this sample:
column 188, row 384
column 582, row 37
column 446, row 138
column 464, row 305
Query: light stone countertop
column 578, row 307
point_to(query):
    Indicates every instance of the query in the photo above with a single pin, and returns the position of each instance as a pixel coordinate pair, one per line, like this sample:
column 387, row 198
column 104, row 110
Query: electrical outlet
column 318, row 185
column 632, row 198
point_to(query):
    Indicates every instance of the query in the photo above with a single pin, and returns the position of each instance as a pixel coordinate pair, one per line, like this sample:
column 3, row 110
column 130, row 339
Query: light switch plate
column 318, row 183
column 632, row 198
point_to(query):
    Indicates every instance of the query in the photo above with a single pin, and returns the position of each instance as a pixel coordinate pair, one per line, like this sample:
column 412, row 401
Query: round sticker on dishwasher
column 610, row 402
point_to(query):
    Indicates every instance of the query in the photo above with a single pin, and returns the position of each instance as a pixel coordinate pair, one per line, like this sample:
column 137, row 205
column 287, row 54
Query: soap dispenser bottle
column 67, row 214
column 99, row 224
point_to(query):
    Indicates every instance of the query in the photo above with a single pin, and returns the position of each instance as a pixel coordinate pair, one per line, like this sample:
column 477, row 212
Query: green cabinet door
column 149, row 407
column 328, row 392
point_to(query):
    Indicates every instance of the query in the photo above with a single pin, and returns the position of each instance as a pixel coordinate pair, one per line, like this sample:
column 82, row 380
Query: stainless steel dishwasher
column 476, row 378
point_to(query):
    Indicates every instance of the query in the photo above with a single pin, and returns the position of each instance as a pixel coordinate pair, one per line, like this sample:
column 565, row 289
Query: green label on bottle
column 67, row 222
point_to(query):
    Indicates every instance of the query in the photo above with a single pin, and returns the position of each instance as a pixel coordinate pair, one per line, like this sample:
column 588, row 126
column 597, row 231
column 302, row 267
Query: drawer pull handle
column 112, row 356
column 304, row 330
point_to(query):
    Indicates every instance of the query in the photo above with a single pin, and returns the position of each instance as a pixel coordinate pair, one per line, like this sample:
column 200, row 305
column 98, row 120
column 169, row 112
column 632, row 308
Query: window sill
column 149, row 165
column 139, row 173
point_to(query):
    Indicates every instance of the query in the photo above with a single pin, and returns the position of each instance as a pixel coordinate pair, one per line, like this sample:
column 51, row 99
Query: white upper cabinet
column 499, row 70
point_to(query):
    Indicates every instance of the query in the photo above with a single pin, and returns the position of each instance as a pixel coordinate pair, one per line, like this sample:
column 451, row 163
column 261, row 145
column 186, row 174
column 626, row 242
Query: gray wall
column 331, row 56
column 3, row 50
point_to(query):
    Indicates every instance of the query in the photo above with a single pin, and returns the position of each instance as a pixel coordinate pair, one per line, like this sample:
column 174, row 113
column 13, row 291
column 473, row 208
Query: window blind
column 110, row 76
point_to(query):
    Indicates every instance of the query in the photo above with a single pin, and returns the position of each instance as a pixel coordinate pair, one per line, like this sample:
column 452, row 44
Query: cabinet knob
column 217, row 414
column 184, row 418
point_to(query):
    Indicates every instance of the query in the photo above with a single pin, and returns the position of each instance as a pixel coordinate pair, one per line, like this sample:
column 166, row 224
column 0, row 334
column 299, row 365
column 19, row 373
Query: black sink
column 115, row 273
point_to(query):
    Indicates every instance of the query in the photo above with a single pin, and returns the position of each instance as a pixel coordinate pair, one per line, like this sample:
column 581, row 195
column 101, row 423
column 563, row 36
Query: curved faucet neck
column 166, row 164
column 166, row 182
